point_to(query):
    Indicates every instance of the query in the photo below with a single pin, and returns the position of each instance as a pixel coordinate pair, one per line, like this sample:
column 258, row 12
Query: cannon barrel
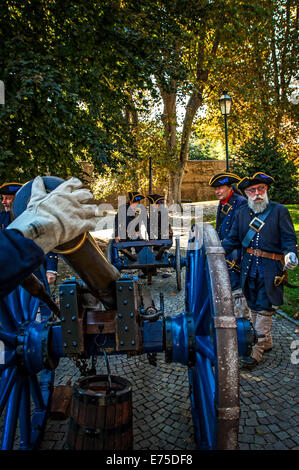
column 87, row 259
column 82, row 253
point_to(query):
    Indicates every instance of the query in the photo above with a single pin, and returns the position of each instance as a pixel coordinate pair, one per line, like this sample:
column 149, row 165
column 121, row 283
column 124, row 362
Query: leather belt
column 265, row 254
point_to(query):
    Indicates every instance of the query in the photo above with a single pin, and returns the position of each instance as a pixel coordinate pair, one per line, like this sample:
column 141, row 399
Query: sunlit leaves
column 64, row 67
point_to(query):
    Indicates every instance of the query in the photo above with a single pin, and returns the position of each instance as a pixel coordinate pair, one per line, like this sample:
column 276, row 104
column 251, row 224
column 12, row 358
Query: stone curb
column 287, row 317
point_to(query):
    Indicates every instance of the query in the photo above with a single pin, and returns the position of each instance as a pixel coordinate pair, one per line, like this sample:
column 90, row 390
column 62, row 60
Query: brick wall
column 195, row 185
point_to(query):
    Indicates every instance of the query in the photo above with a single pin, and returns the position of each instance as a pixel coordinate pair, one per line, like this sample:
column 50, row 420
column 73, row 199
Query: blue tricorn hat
column 258, row 178
column 222, row 179
column 135, row 196
column 155, row 198
column 10, row 189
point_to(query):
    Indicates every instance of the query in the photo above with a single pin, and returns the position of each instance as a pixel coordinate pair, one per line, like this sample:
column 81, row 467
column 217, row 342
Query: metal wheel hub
column 32, row 350
column 180, row 339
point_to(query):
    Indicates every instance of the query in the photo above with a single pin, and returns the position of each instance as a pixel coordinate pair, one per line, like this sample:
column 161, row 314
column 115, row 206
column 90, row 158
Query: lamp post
column 225, row 103
column 2, row 92
column 150, row 175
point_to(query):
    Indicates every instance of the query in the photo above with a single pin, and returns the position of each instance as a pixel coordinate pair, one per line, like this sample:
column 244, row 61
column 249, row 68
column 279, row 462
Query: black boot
column 249, row 362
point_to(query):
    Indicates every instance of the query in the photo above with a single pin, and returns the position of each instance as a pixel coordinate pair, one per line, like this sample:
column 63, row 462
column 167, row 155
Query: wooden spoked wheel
column 25, row 385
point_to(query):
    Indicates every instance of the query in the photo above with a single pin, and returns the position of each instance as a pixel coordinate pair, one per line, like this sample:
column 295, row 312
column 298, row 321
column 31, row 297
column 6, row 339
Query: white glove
column 54, row 218
column 290, row 261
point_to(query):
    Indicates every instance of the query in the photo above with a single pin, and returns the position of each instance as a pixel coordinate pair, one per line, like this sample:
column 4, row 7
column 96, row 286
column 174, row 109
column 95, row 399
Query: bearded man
column 265, row 232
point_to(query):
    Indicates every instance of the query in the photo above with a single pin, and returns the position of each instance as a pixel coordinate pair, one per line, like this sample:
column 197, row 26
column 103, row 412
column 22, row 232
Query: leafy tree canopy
column 82, row 79
column 64, row 66
column 263, row 153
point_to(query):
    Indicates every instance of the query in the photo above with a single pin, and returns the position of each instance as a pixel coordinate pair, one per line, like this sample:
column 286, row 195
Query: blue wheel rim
column 208, row 388
column 202, row 376
column 24, row 396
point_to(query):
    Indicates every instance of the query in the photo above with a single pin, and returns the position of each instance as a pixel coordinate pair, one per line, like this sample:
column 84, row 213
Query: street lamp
column 150, row 175
column 225, row 103
column 2, row 92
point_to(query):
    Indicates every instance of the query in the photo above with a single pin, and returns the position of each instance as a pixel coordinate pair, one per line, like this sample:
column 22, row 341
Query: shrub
column 263, row 153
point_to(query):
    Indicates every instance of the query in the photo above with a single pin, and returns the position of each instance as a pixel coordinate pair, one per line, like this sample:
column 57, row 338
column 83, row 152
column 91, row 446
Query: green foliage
column 263, row 153
column 133, row 173
column 206, row 150
column 261, row 82
column 64, row 66
column 290, row 295
column 82, row 77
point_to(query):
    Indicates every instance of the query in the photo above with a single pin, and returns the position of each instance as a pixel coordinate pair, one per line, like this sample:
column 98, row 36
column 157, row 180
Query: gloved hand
column 290, row 260
column 54, row 218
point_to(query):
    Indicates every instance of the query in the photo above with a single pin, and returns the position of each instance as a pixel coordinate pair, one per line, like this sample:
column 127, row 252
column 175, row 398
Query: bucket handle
column 108, row 369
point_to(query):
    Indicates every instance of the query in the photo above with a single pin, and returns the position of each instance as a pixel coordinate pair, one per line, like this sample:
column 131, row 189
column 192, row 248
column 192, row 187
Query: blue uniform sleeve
column 19, row 257
column 232, row 241
column 4, row 219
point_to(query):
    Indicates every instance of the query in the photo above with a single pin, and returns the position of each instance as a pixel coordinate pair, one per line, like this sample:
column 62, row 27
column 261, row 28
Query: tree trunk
column 178, row 158
column 176, row 174
column 175, row 178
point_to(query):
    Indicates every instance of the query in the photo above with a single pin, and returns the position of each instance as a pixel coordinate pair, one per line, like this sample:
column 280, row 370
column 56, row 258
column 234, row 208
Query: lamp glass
column 225, row 103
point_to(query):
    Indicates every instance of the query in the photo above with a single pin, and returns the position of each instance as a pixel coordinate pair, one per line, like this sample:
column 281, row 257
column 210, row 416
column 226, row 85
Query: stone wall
column 195, row 186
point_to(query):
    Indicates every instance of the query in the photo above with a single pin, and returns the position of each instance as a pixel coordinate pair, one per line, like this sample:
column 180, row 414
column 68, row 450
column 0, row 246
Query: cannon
column 102, row 313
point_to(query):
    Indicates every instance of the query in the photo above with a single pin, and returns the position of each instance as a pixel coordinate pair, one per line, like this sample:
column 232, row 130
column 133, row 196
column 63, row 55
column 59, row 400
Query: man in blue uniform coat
column 8, row 192
column 48, row 272
column 158, row 221
column 229, row 203
column 265, row 231
column 124, row 225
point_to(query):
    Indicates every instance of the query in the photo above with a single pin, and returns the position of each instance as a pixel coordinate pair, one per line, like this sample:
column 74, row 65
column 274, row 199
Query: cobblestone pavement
column 161, row 404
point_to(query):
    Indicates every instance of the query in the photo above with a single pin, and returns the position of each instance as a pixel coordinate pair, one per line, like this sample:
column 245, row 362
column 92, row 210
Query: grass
column 210, row 218
column 291, row 296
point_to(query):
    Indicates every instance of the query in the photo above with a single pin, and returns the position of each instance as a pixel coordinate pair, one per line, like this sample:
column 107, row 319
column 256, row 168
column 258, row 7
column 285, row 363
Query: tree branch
column 168, row 117
column 196, row 99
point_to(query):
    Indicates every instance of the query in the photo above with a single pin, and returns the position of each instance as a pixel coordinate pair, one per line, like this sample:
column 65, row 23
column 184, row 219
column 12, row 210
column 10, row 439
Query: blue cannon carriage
column 105, row 307
column 148, row 256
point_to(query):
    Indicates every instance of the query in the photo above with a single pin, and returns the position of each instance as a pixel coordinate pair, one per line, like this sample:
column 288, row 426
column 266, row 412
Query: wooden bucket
column 101, row 416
